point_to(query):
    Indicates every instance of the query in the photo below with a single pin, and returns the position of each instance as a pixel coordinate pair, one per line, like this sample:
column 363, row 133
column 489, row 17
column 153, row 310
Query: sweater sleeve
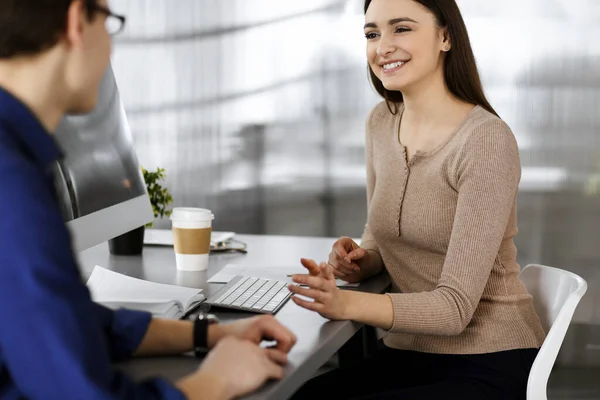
column 487, row 175
column 367, row 240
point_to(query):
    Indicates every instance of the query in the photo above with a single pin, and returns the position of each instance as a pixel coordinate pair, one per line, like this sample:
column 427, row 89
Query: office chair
column 556, row 294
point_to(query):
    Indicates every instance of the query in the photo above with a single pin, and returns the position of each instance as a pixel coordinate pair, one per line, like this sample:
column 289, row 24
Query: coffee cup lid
column 191, row 214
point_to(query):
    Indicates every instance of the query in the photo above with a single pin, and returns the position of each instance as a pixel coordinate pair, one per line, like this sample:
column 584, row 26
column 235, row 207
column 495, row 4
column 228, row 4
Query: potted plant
column 132, row 242
column 160, row 198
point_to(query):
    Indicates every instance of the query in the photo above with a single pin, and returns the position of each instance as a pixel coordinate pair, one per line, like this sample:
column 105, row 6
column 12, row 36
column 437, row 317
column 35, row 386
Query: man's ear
column 76, row 20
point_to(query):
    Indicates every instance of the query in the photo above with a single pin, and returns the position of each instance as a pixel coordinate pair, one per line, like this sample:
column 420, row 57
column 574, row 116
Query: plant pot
column 128, row 244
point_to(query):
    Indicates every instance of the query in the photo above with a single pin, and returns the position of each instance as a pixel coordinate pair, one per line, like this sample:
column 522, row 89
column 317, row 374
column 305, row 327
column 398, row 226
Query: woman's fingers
column 327, row 271
column 341, row 256
column 314, row 294
column 314, row 282
column 312, row 267
column 344, row 263
column 309, row 305
column 339, row 264
column 339, row 274
column 357, row 254
column 342, row 269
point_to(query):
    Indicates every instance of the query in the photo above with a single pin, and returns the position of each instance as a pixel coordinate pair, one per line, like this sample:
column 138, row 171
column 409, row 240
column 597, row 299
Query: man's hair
column 28, row 27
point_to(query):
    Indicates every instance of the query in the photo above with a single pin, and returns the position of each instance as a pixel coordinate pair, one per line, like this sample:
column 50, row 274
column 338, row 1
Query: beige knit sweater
column 444, row 225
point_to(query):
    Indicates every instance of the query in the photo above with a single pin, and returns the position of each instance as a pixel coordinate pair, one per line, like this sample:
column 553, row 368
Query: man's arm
column 173, row 337
column 176, row 337
column 123, row 329
column 167, row 337
column 52, row 341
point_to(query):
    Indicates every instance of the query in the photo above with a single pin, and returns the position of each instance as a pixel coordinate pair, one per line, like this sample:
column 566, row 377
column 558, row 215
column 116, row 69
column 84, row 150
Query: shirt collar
column 27, row 130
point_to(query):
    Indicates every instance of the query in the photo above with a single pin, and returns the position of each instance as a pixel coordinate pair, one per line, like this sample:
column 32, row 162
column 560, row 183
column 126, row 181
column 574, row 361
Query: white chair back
column 556, row 293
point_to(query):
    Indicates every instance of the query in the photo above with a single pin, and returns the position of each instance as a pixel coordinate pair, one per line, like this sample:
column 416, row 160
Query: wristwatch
column 201, row 332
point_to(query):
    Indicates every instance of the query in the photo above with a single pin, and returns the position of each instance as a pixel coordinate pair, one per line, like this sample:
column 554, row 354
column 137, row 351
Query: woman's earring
column 447, row 48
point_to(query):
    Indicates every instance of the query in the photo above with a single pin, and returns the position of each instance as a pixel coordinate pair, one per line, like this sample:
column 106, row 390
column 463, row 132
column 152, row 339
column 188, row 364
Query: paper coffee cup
column 191, row 237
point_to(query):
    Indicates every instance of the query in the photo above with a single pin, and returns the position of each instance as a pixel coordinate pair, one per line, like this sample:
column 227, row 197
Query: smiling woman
column 442, row 178
column 438, row 41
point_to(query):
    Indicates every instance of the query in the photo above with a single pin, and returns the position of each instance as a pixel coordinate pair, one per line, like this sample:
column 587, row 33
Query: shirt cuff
column 128, row 329
column 167, row 390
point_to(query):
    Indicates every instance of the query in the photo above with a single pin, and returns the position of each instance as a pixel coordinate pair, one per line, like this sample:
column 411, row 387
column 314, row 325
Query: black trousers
column 408, row 375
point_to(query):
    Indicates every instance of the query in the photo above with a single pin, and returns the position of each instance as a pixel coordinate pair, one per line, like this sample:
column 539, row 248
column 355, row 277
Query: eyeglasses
column 230, row 245
column 114, row 22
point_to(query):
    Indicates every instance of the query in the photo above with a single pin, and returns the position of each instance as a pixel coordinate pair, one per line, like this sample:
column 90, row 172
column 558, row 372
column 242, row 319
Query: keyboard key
column 241, row 300
column 229, row 291
column 271, row 293
column 269, row 284
column 249, row 303
column 271, row 304
column 268, row 296
column 281, row 295
column 230, row 299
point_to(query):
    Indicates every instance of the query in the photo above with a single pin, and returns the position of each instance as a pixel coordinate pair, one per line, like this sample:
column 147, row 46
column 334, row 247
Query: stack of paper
column 116, row 290
column 166, row 309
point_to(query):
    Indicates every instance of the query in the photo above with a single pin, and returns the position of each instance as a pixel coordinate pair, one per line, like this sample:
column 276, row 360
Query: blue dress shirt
column 55, row 343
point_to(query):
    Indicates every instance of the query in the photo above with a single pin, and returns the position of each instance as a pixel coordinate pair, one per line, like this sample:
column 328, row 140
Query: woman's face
column 404, row 43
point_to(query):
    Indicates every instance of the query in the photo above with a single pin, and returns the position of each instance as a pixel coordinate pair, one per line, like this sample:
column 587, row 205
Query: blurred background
column 256, row 109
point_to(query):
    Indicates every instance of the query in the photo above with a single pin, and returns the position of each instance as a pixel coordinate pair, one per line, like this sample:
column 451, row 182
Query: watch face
column 211, row 318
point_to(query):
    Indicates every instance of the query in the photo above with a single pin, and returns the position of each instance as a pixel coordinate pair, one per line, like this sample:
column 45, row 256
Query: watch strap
column 200, row 336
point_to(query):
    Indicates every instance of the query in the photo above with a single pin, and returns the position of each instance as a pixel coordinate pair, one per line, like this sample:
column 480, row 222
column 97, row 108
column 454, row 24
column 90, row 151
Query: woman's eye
column 401, row 29
column 371, row 35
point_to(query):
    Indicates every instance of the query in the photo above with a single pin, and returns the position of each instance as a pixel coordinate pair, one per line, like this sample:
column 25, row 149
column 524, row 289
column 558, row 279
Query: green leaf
column 160, row 198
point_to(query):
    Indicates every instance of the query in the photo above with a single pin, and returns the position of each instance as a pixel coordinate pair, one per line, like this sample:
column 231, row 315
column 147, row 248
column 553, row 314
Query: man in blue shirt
column 55, row 343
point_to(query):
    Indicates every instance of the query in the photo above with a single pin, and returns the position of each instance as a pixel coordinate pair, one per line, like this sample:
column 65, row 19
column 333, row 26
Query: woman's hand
column 346, row 258
column 333, row 303
column 329, row 301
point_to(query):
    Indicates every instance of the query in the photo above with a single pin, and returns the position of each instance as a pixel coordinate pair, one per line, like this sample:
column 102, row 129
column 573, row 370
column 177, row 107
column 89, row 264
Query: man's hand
column 255, row 330
column 233, row 368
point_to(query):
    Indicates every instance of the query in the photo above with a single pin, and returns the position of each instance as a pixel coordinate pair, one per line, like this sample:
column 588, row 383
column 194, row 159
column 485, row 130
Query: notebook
column 277, row 272
column 115, row 291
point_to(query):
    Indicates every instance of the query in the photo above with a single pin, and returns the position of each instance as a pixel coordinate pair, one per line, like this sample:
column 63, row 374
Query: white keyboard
column 265, row 296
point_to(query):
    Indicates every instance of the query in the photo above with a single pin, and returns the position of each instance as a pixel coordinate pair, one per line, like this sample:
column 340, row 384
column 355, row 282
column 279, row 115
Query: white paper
column 164, row 237
column 112, row 288
column 278, row 272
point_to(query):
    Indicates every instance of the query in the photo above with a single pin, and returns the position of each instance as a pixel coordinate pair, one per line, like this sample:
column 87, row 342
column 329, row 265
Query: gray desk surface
column 318, row 338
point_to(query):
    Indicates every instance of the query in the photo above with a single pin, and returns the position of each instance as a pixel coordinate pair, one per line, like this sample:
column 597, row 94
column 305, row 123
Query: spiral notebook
column 115, row 291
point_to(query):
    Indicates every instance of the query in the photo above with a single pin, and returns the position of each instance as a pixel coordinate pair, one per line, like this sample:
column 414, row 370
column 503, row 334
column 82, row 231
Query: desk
column 318, row 338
